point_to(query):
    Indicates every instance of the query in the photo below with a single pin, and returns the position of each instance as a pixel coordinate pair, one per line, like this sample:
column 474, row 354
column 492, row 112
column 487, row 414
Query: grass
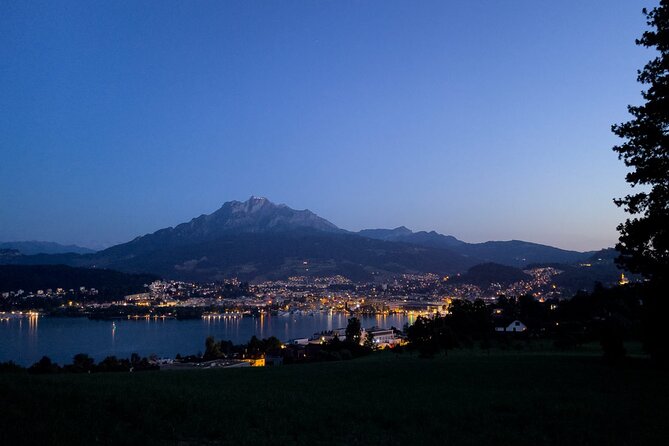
column 467, row 398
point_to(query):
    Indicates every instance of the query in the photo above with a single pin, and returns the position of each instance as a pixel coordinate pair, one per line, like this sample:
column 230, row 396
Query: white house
column 515, row 326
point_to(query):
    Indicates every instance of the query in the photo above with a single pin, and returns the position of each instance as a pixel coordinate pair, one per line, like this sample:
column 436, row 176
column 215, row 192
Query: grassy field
column 467, row 398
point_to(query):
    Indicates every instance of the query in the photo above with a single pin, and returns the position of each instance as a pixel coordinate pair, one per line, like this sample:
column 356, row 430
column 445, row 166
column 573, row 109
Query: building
column 514, row 327
column 383, row 338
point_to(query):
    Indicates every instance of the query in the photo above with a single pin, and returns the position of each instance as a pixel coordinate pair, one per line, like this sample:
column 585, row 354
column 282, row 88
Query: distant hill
column 598, row 267
column 605, row 255
column 35, row 277
column 423, row 238
column 390, row 235
column 513, row 252
column 35, row 247
column 487, row 273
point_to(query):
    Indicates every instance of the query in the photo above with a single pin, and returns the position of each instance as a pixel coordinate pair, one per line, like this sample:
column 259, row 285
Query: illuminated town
column 419, row 294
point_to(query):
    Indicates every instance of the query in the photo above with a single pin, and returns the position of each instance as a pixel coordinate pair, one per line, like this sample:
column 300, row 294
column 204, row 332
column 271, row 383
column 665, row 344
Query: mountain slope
column 281, row 254
column 487, row 273
column 515, row 253
column 35, row 247
column 258, row 239
column 35, row 277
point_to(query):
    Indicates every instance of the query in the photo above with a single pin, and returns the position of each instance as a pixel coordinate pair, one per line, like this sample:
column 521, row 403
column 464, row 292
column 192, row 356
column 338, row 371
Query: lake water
column 26, row 340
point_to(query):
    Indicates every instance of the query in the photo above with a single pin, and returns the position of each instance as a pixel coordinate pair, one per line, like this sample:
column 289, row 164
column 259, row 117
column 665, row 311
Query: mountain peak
column 255, row 215
column 252, row 205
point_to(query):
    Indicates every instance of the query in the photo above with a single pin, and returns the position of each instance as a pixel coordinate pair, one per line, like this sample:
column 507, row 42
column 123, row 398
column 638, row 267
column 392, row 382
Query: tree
column 43, row 366
column 644, row 237
column 10, row 367
column 81, row 363
column 369, row 340
column 135, row 359
column 212, row 349
column 113, row 364
column 421, row 337
column 353, row 331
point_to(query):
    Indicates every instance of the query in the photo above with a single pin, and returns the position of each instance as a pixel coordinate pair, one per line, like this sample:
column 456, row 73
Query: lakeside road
column 465, row 398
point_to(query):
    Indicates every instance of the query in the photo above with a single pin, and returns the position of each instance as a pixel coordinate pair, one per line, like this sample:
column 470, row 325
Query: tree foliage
column 644, row 237
column 353, row 331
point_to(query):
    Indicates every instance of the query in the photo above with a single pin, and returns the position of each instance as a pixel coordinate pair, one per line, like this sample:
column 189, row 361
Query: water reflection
column 25, row 340
column 33, row 319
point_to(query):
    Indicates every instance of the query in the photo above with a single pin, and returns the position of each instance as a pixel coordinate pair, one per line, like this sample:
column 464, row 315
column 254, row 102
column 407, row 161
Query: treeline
column 334, row 349
column 82, row 363
column 608, row 315
column 353, row 345
column 255, row 348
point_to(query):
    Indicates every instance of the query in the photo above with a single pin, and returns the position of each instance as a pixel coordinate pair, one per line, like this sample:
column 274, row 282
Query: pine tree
column 644, row 237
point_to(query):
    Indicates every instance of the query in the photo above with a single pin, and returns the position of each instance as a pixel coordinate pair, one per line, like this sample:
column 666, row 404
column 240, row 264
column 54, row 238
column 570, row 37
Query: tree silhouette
column 82, row 363
column 369, row 340
column 353, row 331
column 644, row 237
column 212, row 349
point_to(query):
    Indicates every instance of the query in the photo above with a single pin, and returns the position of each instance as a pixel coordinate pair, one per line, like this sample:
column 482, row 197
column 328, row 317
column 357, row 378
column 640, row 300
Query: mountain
column 281, row 254
column 519, row 253
column 487, row 273
column 390, row 235
column 512, row 253
column 254, row 216
column 258, row 239
column 607, row 255
column 598, row 267
column 34, row 277
column 35, row 247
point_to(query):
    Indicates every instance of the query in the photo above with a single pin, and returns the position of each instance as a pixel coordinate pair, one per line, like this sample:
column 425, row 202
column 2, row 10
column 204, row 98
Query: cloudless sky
column 481, row 119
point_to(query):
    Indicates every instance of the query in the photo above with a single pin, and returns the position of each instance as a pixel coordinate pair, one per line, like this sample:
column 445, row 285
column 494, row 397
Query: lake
column 26, row 340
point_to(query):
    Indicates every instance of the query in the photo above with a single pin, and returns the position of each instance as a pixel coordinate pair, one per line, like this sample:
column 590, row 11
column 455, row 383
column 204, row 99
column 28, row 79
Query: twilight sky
column 481, row 119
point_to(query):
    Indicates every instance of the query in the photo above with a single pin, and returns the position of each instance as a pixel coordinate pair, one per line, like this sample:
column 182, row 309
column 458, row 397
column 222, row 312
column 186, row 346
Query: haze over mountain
column 258, row 239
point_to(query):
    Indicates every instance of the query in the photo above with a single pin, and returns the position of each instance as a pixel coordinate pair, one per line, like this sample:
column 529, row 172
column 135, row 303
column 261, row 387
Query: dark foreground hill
column 35, row 277
column 465, row 398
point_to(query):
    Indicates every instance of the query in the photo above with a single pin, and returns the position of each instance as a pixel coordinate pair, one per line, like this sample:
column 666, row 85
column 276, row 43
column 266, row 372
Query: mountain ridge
column 516, row 253
column 30, row 247
column 258, row 239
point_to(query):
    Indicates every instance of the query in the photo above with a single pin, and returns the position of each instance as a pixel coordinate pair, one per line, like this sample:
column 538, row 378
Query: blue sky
column 481, row 119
